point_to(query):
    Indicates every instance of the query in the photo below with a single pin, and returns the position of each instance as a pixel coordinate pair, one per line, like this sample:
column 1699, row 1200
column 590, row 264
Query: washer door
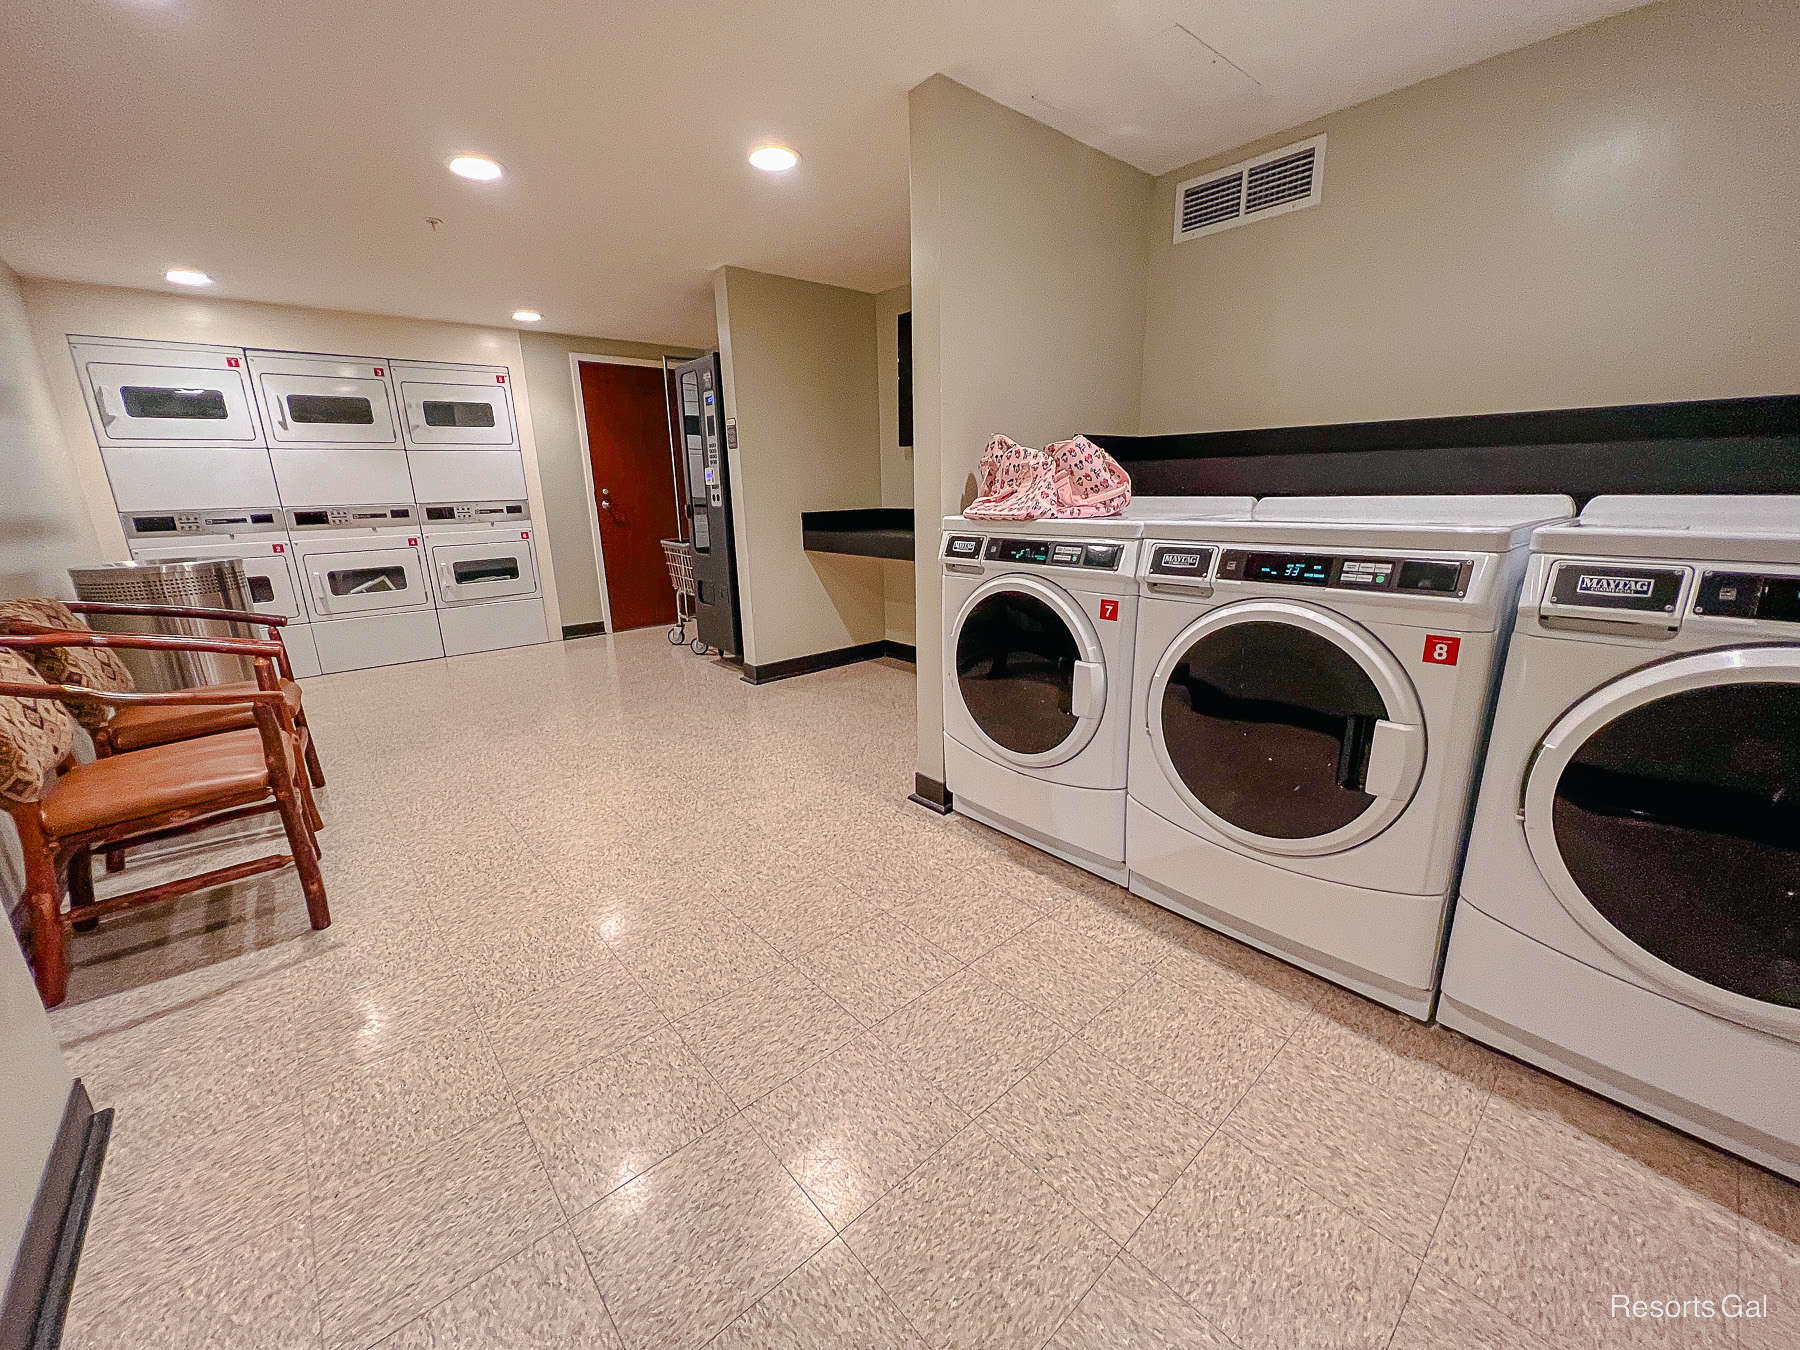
column 1285, row 727
column 1030, row 670
column 1664, row 812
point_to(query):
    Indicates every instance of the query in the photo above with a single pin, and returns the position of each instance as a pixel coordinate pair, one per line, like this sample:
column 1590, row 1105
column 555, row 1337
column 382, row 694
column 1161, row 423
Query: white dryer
column 334, row 435
column 1039, row 618
column 1629, row 917
column 483, row 565
column 1312, row 690
column 362, row 572
column 462, row 443
column 176, row 424
column 259, row 539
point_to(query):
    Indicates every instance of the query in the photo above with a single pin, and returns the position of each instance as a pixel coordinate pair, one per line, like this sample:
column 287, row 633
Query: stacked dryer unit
column 1312, row 695
column 1630, row 914
column 307, row 467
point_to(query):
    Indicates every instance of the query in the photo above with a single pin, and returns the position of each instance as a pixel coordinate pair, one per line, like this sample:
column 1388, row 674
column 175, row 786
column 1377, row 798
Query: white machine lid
column 1128, row 524
column 1471, row 523
column 1704, row 527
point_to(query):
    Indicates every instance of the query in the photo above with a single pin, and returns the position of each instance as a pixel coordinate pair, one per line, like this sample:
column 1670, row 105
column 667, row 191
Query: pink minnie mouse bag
column 1014, row 482
column 1088, row 481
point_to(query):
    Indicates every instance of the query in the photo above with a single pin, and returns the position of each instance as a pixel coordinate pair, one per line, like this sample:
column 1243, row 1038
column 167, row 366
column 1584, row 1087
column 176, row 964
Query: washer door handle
column 1391, row 751
column 1087, row 694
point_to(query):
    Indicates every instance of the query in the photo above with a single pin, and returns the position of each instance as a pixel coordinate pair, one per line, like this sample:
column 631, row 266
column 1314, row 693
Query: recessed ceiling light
column 774, row 158
column 187, row 276
column 526, row 316
column 478, row 167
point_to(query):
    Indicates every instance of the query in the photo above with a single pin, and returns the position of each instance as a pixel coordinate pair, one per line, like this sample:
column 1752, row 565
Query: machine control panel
column 1749, row 595
column 1602, row 586
column 1349, row 572
column 499, row 513
column 1102, row 557
column 162, row 525
column 1180, row 560
column 351, row 517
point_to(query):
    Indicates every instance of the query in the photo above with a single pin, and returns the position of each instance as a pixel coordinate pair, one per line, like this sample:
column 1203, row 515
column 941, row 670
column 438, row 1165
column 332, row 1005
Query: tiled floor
column 652, row 1015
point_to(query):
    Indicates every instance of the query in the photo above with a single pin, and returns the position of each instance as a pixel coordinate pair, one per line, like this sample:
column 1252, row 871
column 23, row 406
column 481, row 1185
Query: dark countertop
column 871, row 532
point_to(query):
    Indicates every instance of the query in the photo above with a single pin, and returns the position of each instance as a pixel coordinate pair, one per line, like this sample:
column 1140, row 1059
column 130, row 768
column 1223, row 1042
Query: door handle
column 106, row 418
column 281, row 411
column 1391, row 748
column 1087, row 694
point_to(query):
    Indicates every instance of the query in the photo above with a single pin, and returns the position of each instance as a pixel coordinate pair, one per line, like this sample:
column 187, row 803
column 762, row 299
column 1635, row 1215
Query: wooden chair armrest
column 61, row 693
column 30, row 635
column 177, row 612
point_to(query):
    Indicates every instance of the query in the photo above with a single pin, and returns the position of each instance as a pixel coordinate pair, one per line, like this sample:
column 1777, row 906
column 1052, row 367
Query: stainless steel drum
column 190, row 583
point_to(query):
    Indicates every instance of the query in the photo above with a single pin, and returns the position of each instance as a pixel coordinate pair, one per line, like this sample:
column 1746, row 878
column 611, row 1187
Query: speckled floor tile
column 401, row 1243
column 875, row 969
column 970, row 1038
column 759, row 1037
column 1376, row 1155
column 1185, row 1045
column 258, row 1294
column 1240, row 978
column 958, row 919
column 1128, row 925
column 619, row 1116
column 685, row 968
column 1552, row 1258
column 683, row 1249
column 542, row 1299
column 849, row 1128
column 554, row 1031
column 1270, row 1263
column 1130, row 1309
column 1438, row 1314
column 1061, row 972
column 830, row 1303
column 1769, row 1269
column 977, row 1251
column 1110, row 1144
column 800, row 912
column 371, row 1117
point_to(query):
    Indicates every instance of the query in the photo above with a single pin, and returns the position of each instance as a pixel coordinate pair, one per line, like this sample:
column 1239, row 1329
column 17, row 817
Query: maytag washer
column 483, row 566
column 1039, row 618
column 362, row 571
column 258, row 538
column 1628, row 916
column 1312, row 691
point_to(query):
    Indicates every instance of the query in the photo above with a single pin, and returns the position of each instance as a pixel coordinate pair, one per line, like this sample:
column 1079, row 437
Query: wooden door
column 626, row 408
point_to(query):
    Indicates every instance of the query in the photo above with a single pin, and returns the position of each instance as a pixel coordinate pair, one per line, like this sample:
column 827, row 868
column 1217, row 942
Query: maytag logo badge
column 1637, row 587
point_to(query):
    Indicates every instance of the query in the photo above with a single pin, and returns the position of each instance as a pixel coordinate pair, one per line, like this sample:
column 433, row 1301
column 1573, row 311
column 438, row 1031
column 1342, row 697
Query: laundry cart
column 679, row 554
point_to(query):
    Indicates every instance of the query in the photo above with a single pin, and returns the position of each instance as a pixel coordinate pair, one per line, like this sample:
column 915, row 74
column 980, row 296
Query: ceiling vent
column 1269, row 185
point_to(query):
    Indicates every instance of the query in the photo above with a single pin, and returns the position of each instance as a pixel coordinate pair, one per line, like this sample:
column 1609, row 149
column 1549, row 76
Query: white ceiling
column 294, row 150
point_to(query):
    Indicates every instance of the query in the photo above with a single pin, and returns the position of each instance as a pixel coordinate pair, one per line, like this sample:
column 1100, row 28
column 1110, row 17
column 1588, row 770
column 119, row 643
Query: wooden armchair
column 66, row 812
column 142, row 725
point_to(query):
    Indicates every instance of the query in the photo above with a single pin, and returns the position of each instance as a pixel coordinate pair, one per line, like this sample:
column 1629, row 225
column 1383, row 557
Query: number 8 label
column 1441, row 651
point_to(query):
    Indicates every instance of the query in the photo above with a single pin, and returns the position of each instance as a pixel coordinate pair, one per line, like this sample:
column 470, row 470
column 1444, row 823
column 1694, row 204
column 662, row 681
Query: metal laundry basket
column 190, row 583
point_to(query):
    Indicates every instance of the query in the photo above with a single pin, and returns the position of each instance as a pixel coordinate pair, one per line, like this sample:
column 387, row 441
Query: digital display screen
column 1438, row 578
column 1294, row 569
column 153, row 524
column 1019, row 550
column 1780, row 599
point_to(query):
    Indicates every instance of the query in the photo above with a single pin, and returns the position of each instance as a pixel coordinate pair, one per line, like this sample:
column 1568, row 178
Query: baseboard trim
column 37, row 1299
column 807, row 665
column 900, row 651
column 581, row 630
column 931, row 794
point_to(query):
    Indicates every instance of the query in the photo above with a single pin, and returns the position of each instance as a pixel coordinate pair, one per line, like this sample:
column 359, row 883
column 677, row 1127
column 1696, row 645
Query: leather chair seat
column 162, row 778
column 135, row 728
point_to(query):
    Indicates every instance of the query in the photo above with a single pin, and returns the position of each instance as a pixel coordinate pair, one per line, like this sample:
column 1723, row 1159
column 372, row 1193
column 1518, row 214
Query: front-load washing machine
column 1629, row 917
column 483, row 567
column 362, row 571
column 1039, row 618
column 1312, row 690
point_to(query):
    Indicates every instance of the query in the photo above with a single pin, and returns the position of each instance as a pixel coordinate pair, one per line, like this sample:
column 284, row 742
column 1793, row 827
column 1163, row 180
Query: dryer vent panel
column 1283, row 180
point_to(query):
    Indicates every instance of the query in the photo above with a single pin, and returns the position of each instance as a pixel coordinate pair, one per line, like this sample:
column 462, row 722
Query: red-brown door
column 628, row 445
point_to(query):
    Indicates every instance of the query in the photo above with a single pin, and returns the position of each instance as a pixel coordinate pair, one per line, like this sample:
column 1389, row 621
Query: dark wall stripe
column 37, row 1296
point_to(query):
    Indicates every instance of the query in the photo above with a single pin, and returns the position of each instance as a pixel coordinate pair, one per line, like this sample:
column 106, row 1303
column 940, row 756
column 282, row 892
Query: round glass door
column 1286, row 727
column 1665, row 813
column 1029, row 671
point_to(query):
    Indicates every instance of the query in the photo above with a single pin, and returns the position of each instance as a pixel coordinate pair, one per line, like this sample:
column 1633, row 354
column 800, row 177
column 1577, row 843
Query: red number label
column 1441, row 651
column 1109, row 609
column 280, row 548
column 232, row 361
column 378, row 371
column 412, row 543
column 499, row 379
column 524, row 534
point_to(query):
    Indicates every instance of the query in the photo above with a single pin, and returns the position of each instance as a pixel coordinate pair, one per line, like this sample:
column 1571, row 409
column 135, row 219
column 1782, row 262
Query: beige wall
column 555, row 415
column 896, row 459
column 1605, row 217
column 57, row 308
column 31, row 1106
column 1028, row 269
column 799, row 373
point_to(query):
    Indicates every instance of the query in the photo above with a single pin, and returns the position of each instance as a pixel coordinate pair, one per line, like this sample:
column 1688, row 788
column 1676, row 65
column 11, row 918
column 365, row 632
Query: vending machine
column 705, row 441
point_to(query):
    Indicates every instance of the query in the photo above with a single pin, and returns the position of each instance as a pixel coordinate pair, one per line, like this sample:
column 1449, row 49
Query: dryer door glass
column 1015, row 666
column 1679, row 821
column 1271, row 727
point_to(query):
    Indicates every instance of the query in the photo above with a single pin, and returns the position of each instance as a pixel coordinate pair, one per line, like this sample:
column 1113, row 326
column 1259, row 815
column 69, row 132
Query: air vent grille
column 1283, row 180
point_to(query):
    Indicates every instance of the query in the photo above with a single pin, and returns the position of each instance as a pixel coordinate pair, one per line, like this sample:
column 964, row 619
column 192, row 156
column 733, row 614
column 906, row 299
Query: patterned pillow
column 35, row 734
column 91, row 667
